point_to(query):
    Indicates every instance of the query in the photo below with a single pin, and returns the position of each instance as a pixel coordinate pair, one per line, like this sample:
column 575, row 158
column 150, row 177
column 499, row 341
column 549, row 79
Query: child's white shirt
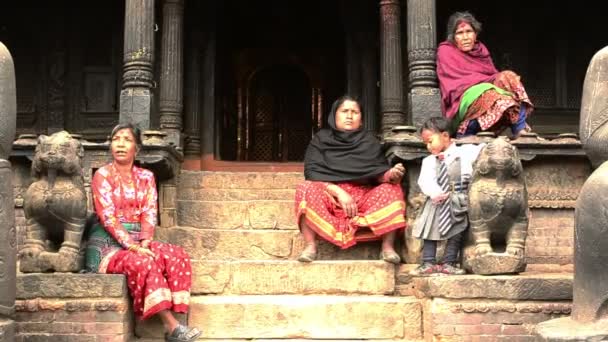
column 427, row 181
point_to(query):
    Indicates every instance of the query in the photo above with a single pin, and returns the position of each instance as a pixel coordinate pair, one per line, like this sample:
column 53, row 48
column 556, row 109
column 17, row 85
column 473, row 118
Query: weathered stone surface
column 496, row 263
column 293, row 277
column 550, row 236
column 236, row 214
column 318, row 317
column 239, row 180
column 230, row 244
column 69, row 285
column 193, row 194
column 7, row 330
column 517, row 287
column 566, row 329
column 214, row 244
column 488, row 320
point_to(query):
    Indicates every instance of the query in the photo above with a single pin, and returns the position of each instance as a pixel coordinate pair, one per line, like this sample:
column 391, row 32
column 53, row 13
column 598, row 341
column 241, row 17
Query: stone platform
column 73, row 307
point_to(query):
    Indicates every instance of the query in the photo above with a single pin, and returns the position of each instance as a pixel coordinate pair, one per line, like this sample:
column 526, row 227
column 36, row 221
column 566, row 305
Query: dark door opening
column 280, row 114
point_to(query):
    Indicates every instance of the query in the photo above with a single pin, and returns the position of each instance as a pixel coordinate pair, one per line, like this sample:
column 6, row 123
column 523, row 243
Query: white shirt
column 428, row 176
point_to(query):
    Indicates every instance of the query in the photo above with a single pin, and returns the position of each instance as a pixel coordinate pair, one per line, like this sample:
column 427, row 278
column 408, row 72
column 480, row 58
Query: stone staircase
column 240, row 231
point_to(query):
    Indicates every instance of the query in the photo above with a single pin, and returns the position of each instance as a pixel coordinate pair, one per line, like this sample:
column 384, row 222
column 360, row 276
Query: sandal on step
column 182, row 333
column 307, row 256
column 391, row 257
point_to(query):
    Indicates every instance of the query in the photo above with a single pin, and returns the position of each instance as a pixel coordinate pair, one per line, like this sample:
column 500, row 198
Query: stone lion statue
column 55, row 207
column 498, row 212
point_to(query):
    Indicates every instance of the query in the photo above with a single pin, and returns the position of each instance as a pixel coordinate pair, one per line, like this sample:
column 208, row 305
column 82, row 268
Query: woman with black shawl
column 349, row 185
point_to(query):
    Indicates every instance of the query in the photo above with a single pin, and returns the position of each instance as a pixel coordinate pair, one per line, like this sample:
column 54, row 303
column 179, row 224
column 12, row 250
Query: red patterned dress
column 381, row 208
column 128, row 214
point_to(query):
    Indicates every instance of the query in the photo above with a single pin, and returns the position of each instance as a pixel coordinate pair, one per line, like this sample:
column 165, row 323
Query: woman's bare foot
column 309, row 253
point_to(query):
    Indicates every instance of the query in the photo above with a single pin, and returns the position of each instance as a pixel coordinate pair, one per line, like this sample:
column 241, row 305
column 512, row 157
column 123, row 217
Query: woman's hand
column 395, row 174
column 145, row 243
column 141, row 250
column 440, row 198
column 347, row 203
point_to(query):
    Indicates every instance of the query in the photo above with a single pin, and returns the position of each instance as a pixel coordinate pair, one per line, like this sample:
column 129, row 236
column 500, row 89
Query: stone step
column 255, row 214
column 238, row 244
column 293, row 277
column 239, row 180
column 520, row 287
column 307, row 317
column 149, row 339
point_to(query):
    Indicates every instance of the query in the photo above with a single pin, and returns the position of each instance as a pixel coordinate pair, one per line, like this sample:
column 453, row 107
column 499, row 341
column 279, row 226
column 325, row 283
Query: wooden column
column 192, row 105
column 391, row 82
column 172, row 71
column 136, row 97
column 424, row 98
column 369, row 81
column 210, row 134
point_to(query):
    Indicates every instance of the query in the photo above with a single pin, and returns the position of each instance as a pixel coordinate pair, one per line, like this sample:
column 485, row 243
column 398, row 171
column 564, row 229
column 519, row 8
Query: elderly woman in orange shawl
column 475, row 96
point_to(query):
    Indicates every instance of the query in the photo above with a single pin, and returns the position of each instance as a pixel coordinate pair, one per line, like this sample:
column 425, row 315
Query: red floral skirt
column 381, row 209
column 155, row 284
column 495, row 111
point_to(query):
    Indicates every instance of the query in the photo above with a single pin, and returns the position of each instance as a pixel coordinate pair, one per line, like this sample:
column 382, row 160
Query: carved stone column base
column 174, row 136
column 495, row 263
column 7, row 330
column 136, row 105
column 566, row 329
column 424, row 103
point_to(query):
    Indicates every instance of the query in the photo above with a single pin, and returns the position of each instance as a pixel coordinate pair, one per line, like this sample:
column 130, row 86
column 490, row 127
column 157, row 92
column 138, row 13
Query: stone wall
column 73, row 307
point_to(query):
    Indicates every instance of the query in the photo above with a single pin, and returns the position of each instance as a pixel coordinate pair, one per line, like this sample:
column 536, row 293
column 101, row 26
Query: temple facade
column 228, row 94
column 251, row 81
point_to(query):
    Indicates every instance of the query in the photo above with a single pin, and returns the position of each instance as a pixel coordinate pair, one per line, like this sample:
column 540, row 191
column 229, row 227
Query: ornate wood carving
column 391, row 82
column 171, row 70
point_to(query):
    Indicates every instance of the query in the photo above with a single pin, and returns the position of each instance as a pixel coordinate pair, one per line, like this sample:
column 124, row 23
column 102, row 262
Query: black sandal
column 182, row 333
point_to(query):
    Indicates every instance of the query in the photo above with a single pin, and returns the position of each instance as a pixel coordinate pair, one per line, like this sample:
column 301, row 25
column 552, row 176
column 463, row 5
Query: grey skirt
column 426, row 226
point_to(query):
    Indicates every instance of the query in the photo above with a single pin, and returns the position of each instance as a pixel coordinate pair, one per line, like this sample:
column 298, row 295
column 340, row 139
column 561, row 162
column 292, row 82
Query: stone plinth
column 525, row 286
column 566, row 329
column 81, row 307
column 293, row 277
column 307, row 317
column 496, row 263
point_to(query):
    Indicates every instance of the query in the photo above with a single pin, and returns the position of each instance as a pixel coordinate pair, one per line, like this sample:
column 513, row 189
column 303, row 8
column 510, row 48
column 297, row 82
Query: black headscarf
column 338, row 156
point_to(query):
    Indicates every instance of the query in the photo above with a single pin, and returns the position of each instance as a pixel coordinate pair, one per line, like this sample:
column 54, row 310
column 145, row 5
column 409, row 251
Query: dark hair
column 456, row 18
column 134, row 130
column 437, row 124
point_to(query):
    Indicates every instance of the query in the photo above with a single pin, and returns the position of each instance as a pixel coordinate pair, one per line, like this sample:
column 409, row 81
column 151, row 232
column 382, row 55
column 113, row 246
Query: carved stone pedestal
column 136, row 104
column 424, row 102
column 495, row 263
column 51, row 261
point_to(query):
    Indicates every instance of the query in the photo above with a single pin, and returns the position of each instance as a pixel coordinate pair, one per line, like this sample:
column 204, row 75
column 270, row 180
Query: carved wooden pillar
column 192, row 105
column 8, row 236
column 424, row 98
column 136, row 97
column 209, row 132
column 171, row 70
column 369, row 81
column 391, row 82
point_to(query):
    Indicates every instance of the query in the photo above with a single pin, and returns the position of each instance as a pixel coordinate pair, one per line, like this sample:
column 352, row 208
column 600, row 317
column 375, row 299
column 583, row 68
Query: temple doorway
column 280, row 115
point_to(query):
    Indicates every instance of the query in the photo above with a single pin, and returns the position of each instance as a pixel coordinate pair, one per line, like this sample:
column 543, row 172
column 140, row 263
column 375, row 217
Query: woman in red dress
column 158, row 274
column 349, row 185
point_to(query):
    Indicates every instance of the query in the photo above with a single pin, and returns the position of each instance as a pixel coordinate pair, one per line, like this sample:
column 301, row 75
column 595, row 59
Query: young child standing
column 444, row 178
